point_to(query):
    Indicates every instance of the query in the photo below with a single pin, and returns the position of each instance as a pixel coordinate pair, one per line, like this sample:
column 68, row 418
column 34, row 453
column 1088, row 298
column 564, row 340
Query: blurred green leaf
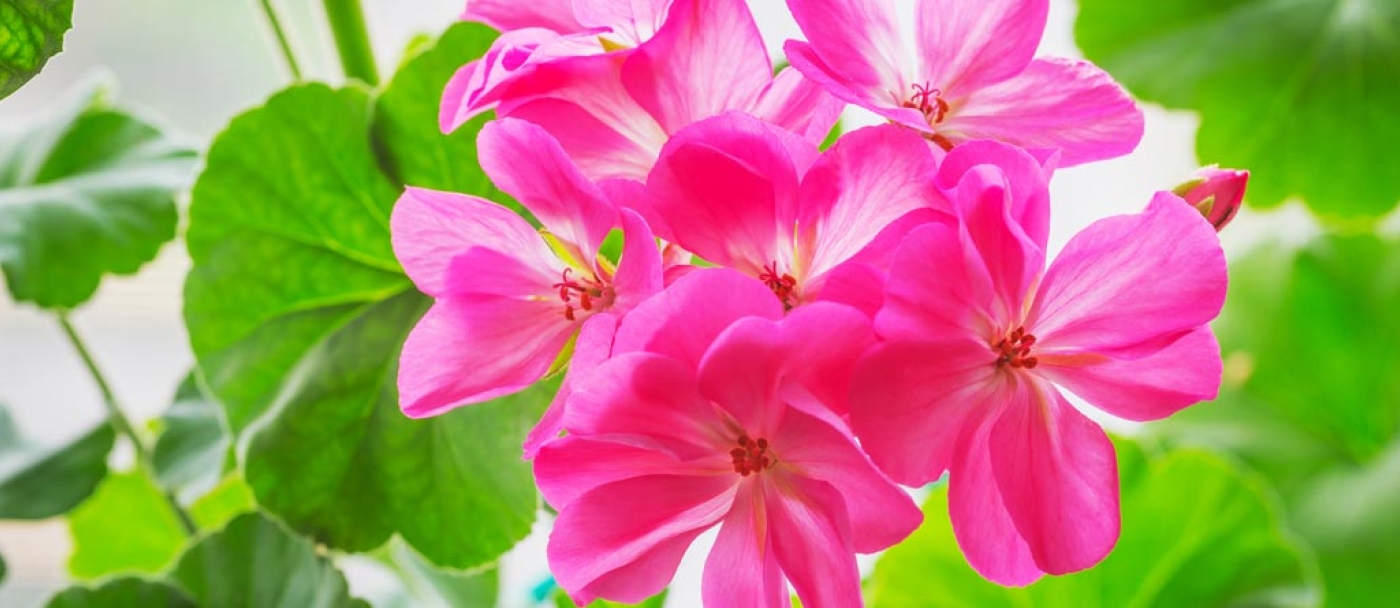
column 37, row 482
column 297, row 310
column 1300, row 92
column 191, row 453
column 87, row 192
column 123, row 593
column 31, row 31
column 1312, row 400
column 127, row 526
column 256, row 563
column 231, row 497
column 3, row 569
column 429, row 587
column 1195, row 533
column 561, row 600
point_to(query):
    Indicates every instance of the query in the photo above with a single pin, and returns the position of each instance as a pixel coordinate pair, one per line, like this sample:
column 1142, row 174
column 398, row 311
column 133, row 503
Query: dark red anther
column 1015, row 350
column 751, row 456
column 590, row 292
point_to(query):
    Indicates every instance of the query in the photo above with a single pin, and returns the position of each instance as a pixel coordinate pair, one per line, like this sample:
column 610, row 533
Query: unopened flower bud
column 1217, row 193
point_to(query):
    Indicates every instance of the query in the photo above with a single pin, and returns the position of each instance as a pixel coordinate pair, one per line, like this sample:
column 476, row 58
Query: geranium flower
column 1217, row 193
column 978, row 335
column 715, row 410
column 972, row 76
column 507, row 298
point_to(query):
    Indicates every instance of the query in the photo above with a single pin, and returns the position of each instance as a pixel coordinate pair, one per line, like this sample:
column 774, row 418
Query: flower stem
column 347, row 23
column 120, row 422
column 276, row 23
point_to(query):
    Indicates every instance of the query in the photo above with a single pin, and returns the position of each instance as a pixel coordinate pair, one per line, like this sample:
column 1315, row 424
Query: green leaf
column 256, row 563
column 88, row 192
column 191, row 453
column 297, row 310
column 561, row 600
column 31, row 31
column 127, row 526
column 123, row 593
column 432, row 587
column 1195, row 533
column 1300, row 92
column 37, row 482
column 3, row 569
column 1311, row 400
column 231, row 497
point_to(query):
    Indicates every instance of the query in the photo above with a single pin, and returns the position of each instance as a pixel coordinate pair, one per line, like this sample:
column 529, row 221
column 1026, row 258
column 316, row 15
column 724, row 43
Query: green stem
column 120, row 422
column 347, row 23
column 276, row 23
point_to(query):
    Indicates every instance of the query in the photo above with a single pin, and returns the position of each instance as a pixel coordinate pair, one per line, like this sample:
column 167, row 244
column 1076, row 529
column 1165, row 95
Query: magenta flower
column 715, row 410
column 978, row 334
column 1217, row 193
column 613, row 112
column 973, row 76
column 508, row 298
column 740, row 193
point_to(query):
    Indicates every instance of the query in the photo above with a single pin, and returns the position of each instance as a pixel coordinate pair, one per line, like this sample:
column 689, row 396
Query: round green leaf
column 31, row 31
column 191, row 453
column 123, row 593
column 1195, row 533
column 1301, row 92
column 87, row 192
column 37, row 482
column 256, row 563
column 297, row 310
column 127, row 526
column 1312, row 400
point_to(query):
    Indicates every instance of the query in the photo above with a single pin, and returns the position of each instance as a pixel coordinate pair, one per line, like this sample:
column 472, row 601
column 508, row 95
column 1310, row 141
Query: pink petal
column 632, row 21
column 880, row 513
column 1055, row 103
column 478, row 86
column 799, row 104
column 432, row 229
column 812, row 540
column 684, row 320
column 639, row 274
column 528, row 164
column 1024, row 176
column 981, row 523
column 507, row 15
column 623, row 541
column 1014, row 260
column 475, row 348
column 940, row 287
column 855, row 43
column 742, row 569
column 654, row 401
column 884, row 101
column 1130, row 284
column 1058, row 477
column 592, row 347
column 708, row 58
column 1150, row 388
column 965, row 46
column 855, row 284
column 911, row 400
column 574, row 465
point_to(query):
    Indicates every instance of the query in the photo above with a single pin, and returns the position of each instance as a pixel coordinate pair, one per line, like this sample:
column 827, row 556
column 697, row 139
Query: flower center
column 752, row 456
column 582, row 293
column 782, row 285
column 1015, row 350
column 928, row 101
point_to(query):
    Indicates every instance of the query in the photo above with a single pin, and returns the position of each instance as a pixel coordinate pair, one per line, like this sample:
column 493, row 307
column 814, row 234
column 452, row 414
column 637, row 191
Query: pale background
column 194, row 64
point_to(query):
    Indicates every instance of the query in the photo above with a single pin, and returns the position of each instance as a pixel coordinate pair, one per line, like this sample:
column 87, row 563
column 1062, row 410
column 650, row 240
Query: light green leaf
column 297, row 310
column 191, row 453
column 1301, row 92
column 256, row 563
column 561, row 600
column 1311, row 400
column 87, row 192
column 123, row 593
column 430, row 587
column 31, row 31
column 231, row 497
column 1195, row 533
column 127, row 526
column 38, row 482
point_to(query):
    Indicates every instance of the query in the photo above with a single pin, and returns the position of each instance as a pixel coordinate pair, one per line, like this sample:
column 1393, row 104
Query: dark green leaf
column 1195, row 533
column 31, row 31
column 1301, row 92
column 1312, row 400
column 123, row 593
column 193, row 448
column 127, row 526
column 37, row 482
column 3, row 569
column 256, row 563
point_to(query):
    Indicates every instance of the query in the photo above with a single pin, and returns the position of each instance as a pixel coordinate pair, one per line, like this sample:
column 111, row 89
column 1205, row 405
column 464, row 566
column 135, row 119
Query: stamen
column 1015, row 350
column 928, row 101
column 782, row 285
column 752, row 456
column 590, row 293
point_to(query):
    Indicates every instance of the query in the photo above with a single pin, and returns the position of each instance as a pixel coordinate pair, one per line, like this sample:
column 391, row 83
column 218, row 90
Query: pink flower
column 978, row 334
column 973, row 76
column 507, row 298
column 740, row 193
column 1217, row 193
column 613, row 112
column 715, row 410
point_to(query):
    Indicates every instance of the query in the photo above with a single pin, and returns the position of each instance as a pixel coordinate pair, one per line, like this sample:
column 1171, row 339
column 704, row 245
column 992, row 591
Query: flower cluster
column 785, row 333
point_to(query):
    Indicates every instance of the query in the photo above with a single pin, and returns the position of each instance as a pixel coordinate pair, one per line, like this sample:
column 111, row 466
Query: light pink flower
column 741, row 193
column 613, row 112
column 507, row 298
column 715, row 411
column 969, row 76
column 978, row 334
column 1217, row 193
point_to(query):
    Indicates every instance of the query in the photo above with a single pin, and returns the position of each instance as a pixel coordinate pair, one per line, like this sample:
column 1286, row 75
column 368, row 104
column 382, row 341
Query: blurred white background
column 194, row 65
